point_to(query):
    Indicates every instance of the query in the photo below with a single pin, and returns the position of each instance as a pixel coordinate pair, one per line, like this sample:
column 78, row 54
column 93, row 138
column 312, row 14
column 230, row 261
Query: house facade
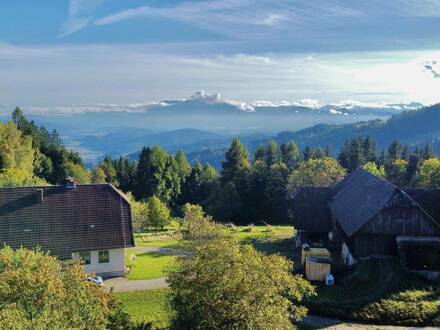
column 71, row 222
column 365, row 215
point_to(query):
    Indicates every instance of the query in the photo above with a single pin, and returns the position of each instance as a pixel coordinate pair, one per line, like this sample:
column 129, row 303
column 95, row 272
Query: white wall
column 115, row 266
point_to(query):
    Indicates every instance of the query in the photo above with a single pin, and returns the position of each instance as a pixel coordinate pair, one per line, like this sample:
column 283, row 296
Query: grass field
column 147, row 306
column 269, row 239
column 147, row 265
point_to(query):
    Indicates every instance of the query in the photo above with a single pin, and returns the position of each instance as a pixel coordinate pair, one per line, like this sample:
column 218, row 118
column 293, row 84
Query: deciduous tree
column 227, row 285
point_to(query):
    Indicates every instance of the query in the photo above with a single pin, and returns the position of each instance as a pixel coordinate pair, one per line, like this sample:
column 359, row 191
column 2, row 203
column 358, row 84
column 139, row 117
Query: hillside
column 410, row 127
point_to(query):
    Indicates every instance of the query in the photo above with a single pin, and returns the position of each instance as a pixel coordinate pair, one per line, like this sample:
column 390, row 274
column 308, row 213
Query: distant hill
column 410, row 127
column 204, row 123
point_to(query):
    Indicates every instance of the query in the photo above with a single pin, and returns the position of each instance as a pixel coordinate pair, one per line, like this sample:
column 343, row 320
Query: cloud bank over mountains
column 204, row 99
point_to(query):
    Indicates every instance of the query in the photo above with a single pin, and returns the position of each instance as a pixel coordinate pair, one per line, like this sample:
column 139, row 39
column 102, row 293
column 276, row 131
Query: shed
column 310, row 213
column 317, row 268
column 307, row 251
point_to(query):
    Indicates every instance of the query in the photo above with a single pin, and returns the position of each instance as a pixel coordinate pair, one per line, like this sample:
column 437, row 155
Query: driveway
column 121, row 284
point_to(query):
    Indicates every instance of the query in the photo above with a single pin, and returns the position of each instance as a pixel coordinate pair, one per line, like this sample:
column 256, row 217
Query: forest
column 248, row 188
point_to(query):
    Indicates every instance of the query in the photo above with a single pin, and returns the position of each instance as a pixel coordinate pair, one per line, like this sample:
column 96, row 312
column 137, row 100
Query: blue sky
column 112, row 51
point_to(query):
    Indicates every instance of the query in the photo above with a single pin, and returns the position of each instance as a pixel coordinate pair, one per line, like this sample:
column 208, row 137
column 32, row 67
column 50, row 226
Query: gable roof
column 428, row 199
column 309, row 208
column 361, row 195
column 85, row 218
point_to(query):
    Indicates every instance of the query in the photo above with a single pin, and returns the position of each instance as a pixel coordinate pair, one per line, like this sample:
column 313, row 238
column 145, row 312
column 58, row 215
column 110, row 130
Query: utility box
column 307, row 251
column 316, row 268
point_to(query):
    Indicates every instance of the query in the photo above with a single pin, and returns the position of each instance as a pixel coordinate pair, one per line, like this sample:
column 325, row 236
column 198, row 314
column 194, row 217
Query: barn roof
column 361, row 195
column 65, row 220
column 428, row 199
column 309, row 208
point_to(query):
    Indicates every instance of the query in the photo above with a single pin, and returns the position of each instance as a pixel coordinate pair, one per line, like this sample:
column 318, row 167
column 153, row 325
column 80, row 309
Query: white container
column 329, row 279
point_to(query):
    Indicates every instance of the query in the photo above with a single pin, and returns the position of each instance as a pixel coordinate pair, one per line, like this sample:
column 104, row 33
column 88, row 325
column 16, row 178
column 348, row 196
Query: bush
column 227, row 285
column 39, row 292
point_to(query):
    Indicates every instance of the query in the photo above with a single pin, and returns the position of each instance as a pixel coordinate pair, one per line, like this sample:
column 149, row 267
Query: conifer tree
column 236, row 162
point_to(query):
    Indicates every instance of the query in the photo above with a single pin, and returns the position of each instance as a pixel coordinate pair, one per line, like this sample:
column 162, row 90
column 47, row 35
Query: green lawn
column 167, row 238
column 147, row 265
column 147, row 306
column 269, row 239
column 164, row 243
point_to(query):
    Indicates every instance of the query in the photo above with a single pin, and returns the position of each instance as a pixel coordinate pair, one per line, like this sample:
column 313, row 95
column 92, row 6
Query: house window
column 85, row 258
column 103, row 256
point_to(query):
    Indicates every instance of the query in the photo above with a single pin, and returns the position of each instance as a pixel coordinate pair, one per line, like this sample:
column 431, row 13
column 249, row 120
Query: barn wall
column 400, row 221
column 365, row 245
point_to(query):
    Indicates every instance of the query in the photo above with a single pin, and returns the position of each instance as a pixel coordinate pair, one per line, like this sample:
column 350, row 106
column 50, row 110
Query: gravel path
column 120, row 284
column 335, row 324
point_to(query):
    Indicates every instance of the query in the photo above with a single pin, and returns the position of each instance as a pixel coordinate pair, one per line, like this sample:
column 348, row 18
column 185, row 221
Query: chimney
column 70, row 183
column 39, row 195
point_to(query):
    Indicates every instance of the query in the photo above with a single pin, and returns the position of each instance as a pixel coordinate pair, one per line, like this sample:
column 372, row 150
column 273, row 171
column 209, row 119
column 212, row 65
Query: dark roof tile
column 361, row 195
column 89, row 217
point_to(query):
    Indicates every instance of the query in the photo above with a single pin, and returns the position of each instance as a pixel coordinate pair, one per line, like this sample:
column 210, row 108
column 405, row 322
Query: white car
column 96, row 279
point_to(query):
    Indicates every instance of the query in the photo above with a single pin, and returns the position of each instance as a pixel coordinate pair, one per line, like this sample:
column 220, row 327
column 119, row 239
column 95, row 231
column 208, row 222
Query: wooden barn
column 366, row 214
column 311, row 214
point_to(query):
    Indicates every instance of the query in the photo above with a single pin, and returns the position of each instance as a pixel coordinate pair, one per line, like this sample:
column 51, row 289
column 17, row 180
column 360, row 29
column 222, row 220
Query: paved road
column 120, row 284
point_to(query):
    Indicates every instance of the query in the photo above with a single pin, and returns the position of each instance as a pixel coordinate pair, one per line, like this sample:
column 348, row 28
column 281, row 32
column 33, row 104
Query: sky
column 60, row 52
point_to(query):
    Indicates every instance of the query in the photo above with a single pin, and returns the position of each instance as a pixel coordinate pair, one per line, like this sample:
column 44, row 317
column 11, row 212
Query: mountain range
column 204, row 124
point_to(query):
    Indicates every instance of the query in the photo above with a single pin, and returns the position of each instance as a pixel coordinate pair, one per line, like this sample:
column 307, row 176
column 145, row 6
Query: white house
column 71, row 221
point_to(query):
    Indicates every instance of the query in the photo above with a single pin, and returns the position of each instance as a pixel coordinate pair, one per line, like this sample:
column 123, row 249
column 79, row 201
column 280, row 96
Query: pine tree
column 369, row 150
column 150, row 173
column 328, row 151
column 428, row 151
column 414, row 163
column 344, row 156
column 395, row 151
column 236, row 162
column 184, row 166
column 405, row 152
column 308, row 153
column 260, row 153
column 318, row 153
column 290, row 154
column 271, row 156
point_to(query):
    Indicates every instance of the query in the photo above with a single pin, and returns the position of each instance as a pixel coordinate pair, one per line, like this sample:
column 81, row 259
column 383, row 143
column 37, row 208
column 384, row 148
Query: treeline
column 30, row 154
column 252, row 190
column 247, row 189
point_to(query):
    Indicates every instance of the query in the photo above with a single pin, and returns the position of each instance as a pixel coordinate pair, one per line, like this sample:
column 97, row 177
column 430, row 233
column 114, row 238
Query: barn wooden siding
column 400, row 221
column 400, row 217
column 364, row 245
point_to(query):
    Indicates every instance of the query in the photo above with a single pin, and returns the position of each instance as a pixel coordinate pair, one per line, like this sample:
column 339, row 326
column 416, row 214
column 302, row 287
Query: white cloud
column 127, row 74
column 271, row 19
column 73, row 25
column 80, row 15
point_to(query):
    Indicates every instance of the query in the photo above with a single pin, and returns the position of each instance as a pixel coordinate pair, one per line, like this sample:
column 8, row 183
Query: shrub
column 227, row 285
column 39, row 292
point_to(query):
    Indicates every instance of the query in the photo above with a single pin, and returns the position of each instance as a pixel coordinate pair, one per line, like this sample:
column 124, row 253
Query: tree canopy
column 38, row 292
column 227, row 285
